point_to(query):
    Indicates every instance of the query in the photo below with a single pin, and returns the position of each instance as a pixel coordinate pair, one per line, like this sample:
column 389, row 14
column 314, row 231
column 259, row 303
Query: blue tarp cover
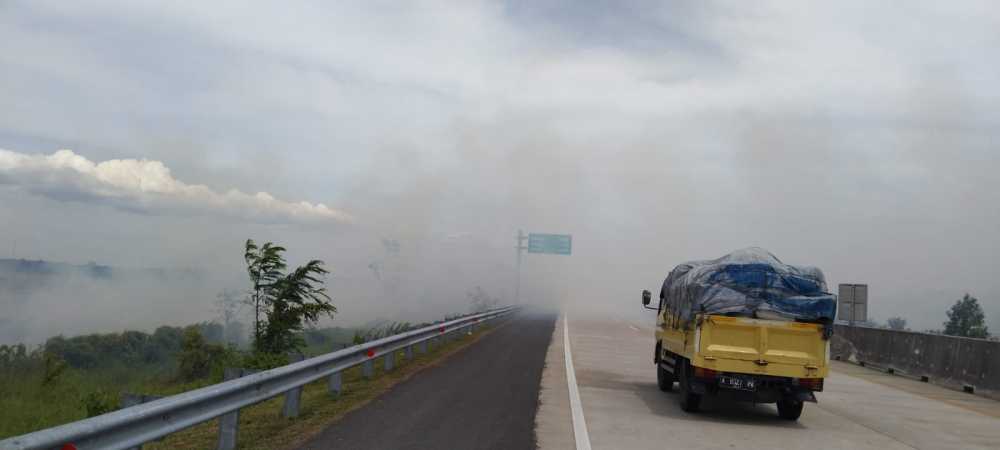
column 752, row 283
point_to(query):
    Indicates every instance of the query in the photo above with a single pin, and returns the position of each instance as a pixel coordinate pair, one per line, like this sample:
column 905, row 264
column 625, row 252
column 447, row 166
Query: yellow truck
column 745, row 327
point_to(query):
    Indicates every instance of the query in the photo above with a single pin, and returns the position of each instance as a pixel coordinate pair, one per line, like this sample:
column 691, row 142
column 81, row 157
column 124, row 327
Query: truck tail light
column 701, row 372
column 813, row 384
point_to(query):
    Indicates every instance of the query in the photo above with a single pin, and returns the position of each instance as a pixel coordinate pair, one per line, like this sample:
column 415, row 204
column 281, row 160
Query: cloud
column 147, row 186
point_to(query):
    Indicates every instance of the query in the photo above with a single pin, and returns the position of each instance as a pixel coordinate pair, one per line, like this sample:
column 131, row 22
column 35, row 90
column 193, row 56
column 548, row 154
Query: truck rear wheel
column 790, row 409
column 690, row 401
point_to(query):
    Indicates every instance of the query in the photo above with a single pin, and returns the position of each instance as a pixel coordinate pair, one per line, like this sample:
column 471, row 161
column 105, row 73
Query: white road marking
column 634, row 327
column 579, row 423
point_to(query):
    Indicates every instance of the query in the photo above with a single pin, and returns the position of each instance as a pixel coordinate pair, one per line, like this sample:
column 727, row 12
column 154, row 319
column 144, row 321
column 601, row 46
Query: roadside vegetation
column 72, row 378
column 68, row 379
column 39, row 391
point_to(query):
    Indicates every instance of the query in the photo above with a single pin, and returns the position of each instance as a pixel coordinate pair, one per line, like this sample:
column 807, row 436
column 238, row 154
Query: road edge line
column 579, row 423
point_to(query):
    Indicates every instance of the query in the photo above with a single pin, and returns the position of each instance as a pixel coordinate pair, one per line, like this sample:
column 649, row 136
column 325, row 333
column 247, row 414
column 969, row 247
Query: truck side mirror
column 645, row 297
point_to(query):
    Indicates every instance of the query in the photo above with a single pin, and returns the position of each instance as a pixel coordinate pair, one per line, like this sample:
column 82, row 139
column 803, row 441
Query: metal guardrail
column 133, row 426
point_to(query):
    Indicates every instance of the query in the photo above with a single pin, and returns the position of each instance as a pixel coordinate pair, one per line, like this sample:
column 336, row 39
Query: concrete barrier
column 947, row 360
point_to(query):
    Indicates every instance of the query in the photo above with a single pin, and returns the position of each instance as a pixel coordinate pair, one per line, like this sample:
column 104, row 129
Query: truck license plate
column 737, row 382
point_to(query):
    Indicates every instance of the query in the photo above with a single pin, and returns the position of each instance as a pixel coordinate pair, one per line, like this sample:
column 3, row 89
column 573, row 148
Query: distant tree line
column 966, row 318
column 128, row 348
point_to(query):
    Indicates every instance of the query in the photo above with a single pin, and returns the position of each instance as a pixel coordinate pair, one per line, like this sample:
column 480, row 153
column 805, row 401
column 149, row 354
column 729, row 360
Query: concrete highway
column 859, row 409
column 513, row 390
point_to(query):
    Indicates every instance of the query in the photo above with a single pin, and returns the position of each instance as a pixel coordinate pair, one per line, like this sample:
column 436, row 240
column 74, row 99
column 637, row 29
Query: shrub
column 54, row 366
column 264, row 361
column 380, row 331
column 99, row 402
column 196, row 358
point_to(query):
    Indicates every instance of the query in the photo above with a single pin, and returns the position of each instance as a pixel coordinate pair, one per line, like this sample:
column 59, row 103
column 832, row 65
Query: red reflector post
column 370, row 353
column 68, row 447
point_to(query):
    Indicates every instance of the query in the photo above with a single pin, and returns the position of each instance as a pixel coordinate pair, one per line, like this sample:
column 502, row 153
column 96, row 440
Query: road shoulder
column 554, row 421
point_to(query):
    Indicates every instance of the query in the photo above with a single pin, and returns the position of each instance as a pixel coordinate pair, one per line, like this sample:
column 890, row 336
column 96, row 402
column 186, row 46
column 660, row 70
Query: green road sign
column 554, row 244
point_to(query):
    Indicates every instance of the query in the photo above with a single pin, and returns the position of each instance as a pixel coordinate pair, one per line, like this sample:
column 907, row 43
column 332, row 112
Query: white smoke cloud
column 146, row 186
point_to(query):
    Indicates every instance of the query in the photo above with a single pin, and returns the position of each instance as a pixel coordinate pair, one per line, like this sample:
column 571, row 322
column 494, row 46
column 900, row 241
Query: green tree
column 966, row 318
column 284, row 303
column 896, row 323
column 265, row 265
column 213, row 332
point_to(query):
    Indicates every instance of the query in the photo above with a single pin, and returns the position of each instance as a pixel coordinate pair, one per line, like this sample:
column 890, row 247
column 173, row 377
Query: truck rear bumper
column 769, row 391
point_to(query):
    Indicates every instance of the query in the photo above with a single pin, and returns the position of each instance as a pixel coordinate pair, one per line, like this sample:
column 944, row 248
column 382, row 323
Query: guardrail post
column 229, row 424
column 390, row 359
column 422, row 347
column 367, row 369
column 292, row 396
column 127, row 400
column 409, row 353
column 335, row 384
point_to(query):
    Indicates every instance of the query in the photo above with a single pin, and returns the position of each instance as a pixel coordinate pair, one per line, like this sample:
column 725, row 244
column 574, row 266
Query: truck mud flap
column 806, row 396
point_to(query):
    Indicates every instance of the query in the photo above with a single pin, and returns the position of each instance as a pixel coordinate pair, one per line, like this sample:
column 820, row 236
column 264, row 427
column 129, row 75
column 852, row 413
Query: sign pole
column 520, row 249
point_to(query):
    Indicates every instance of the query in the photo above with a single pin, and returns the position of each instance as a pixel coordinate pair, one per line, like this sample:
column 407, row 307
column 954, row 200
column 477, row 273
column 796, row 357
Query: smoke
column 842, row 137
column 147, row 186
column 41, row 299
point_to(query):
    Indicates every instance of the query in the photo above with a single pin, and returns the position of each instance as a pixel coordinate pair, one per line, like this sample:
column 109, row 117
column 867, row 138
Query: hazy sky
column 857, row 136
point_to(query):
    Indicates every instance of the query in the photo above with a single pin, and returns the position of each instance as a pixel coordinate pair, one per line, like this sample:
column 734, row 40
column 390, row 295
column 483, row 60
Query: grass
column 26, row 404
column 262, row 426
